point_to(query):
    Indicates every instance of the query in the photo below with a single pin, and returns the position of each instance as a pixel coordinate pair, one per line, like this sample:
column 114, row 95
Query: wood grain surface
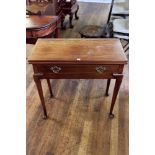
column 78, row 123
column 108, row 51
column 33, row 21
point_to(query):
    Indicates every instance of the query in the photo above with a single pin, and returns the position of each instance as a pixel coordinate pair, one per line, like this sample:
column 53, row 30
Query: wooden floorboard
column 78, row 121
column 89, row 14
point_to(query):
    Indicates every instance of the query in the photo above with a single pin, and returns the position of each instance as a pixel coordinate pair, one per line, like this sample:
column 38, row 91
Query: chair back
column 111, row 7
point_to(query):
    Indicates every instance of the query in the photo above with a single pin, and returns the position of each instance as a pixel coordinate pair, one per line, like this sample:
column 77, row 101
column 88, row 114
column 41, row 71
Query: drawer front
column 78, row 71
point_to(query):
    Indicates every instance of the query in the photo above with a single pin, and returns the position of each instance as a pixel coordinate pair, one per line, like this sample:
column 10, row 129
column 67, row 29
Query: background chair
column 120, row 9
column 121, row 31
column 114, row 28
column 121, row 26
column 120, row 22
column 95, row 31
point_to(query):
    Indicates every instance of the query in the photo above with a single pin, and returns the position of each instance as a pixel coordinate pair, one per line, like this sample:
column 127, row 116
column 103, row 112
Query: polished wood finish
column 60, row 8
column 78, row 51
column 78, row 59
column 41, row 26
column 77, row 114
column 72, row 71
column 51, row 8
column 35, row 22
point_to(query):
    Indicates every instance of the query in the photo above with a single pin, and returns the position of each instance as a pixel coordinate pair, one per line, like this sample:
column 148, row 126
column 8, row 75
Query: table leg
column 115, row 93
column 49, row 86
column 107, row 89
column 40, row 92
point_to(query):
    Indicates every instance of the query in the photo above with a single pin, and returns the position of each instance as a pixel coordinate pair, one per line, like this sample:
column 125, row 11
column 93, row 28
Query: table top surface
column 78, row 51
column 33, row 21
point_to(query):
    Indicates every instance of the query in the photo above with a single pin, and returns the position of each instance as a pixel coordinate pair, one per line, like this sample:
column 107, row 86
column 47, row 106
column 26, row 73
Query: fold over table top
column 78, row 51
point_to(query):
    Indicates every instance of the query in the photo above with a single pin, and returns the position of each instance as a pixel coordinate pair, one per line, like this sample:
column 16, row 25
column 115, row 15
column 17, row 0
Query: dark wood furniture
column 71, row 7
column 59, row 8
column 78, row 59
column 40, row 26
column 53, row 7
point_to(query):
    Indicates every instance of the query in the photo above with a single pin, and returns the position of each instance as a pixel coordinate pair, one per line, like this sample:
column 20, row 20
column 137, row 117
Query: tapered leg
column 107, row 89
column 76, row 16
column 70, row 20
column 115, row 93
column 49, row 86
column 40, row 92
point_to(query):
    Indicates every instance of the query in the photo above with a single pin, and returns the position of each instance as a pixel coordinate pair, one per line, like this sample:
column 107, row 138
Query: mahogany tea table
column 78, row 59
column 41, row 26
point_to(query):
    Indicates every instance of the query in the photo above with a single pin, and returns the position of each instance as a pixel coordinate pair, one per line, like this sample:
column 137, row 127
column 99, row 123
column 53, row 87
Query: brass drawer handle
column 100, row 69
column 55, row 69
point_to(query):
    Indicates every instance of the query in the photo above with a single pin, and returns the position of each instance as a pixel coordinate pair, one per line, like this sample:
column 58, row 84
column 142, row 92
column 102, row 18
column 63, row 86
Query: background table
column 40, row 26
column 59, row 8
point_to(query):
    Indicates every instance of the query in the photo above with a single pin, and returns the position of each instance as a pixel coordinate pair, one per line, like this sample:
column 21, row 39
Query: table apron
column 59, row 71
column 74, row 76
column 40, row 32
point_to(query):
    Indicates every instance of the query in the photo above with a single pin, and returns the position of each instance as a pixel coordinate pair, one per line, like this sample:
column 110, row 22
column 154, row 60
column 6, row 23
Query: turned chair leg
column 76, row 16
column 70, row 20
column 62, row 24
